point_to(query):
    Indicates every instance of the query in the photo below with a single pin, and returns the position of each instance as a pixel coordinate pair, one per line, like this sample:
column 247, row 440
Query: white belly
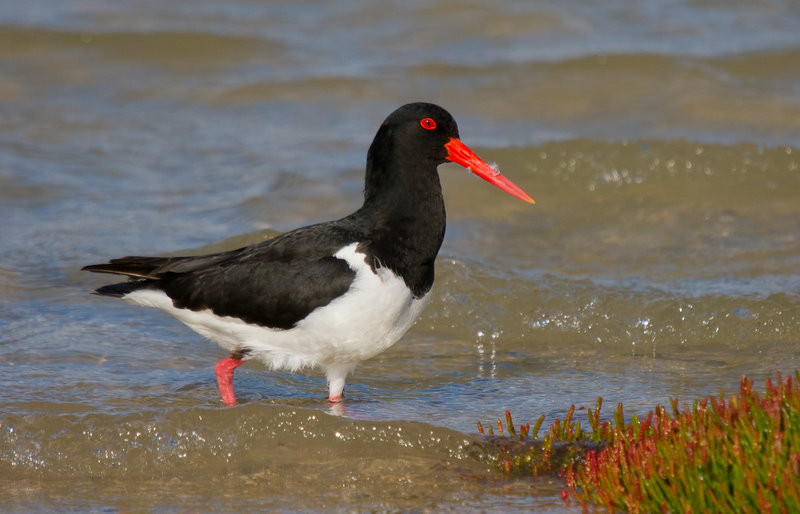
column 373, row 314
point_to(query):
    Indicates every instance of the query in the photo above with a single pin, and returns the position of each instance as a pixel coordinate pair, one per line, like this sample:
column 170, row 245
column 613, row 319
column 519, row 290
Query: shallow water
column 661, row 259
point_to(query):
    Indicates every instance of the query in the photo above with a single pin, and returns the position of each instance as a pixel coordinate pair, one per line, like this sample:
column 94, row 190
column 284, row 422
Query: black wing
column 273, row 294
column 275, row 283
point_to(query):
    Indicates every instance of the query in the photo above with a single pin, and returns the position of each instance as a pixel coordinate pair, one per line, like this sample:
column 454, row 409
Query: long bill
column 459, row 153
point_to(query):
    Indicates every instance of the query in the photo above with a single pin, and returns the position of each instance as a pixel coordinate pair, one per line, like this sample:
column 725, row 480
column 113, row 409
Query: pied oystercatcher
column 328, row 295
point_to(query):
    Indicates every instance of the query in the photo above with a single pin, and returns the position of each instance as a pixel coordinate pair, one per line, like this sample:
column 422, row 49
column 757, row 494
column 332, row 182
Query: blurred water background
column 662, row 258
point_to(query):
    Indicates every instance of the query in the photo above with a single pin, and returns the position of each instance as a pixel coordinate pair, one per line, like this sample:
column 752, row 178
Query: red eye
column 428, row 123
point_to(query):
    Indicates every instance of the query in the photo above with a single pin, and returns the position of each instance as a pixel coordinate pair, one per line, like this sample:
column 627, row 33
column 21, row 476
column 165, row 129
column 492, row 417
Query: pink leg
column 224, row 370
column 336, row 378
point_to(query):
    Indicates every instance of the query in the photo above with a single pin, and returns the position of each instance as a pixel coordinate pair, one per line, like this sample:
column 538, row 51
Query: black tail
column 123, row 288
column 146, row 272
column 157, row 267
column 137, row 267
column 142, row 271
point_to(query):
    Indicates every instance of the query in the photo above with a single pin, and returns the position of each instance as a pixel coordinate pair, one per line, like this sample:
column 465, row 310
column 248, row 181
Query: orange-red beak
column 459, row 153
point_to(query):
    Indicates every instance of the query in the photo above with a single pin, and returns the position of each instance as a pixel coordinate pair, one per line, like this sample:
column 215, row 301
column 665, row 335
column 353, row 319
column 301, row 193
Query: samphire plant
column 740, row 454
